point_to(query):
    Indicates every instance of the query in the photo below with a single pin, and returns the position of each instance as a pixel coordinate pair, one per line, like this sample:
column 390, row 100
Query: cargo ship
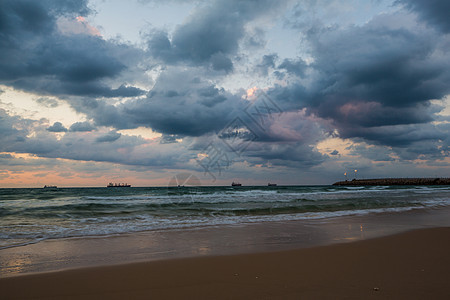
column 118, row 185
column 50, row 187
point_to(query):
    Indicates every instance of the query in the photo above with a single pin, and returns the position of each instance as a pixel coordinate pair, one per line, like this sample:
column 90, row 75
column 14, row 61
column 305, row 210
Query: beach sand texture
column 411, row 265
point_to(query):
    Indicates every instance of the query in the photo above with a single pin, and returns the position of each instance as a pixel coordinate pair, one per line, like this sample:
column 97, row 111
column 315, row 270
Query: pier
column 395, row 181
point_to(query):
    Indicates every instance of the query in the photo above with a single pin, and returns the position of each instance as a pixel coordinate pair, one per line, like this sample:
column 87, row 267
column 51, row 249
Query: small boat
column 236, row 184
column 118, row 185
column 271, row 184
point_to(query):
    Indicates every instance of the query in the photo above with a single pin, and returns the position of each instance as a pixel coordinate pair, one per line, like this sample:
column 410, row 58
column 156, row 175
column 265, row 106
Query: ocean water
column 31, row 215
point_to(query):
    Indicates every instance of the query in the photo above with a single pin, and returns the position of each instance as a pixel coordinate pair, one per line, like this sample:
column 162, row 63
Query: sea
column 30, row 215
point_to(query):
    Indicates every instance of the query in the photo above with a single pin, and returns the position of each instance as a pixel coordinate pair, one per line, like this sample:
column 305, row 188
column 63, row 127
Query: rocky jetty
column 396, row 181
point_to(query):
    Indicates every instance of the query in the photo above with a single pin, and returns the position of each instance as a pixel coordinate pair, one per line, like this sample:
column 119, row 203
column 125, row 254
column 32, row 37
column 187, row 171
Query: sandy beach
column 411, row 265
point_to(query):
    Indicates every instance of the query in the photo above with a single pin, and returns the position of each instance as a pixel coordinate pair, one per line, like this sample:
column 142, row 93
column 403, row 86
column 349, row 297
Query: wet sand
column 70, row 253
column 411, row 265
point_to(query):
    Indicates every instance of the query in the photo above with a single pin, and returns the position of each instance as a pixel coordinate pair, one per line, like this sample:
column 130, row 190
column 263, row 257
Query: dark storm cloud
column 36, row 57
column 6, row 128
column 373, row 81
column 169, row 139
column 296, row 67
column 211, row 35
column 425, row 142
column 6, row 156
column 372, row 114
column 400, row 135
column 376, row 154
column 433, row 12
column 391, row 66
column 35, row 17
column 57, row 127
column 423, row 151
column 267, row 62
column 289, row 155
column 334, row 152
column 180, row 103
column 14, row 133
column 109, row 137
column 126, row 150
column 93, row 146
column 285, row 139
column 81, row 127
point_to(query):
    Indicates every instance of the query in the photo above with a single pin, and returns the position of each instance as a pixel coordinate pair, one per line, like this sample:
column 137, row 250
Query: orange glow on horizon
column 37, row 179
column 68, row 173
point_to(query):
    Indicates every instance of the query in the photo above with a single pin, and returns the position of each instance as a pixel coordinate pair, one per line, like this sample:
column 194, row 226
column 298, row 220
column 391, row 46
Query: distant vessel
column 118, row 185
column 50, row 187
column 271, row 184
column 236, row 184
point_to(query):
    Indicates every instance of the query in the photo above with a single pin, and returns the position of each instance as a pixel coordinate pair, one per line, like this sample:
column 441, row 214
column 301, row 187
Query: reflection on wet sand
column 215, row 240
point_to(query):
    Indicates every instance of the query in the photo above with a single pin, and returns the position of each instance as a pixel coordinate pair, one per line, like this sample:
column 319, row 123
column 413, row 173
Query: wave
column 28, row 215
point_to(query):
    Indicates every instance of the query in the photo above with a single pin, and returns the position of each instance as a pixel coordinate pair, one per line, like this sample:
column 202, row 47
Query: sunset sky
column 292, row 92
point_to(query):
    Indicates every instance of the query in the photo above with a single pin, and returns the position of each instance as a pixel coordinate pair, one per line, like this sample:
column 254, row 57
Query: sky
column 289, row 92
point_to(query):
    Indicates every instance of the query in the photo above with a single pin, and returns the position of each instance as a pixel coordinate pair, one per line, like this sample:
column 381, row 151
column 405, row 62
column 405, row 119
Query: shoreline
column 73, row 253
column 409, row 265
column 285, row 219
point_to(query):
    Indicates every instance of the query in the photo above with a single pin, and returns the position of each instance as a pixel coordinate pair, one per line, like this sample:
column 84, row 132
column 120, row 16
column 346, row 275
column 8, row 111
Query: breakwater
column 396, row 181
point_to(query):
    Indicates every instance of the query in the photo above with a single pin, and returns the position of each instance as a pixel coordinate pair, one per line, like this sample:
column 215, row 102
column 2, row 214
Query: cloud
column 180, row 103
column 111, row 136
column 8, row 132
column 432, row 12
column 169, row 139
column 14, row 132
column 57, row 127
column 334, row 152
column 296, row 155
column 370, row 63
column 296, row 67
column 77, row 26
column 36, row 57
column 99, row 146
column 82, row 126
column 211, row 35
column 47, row 102
column 5, row 156
column 373, row 82
column 113, row 147
column 267, row 62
